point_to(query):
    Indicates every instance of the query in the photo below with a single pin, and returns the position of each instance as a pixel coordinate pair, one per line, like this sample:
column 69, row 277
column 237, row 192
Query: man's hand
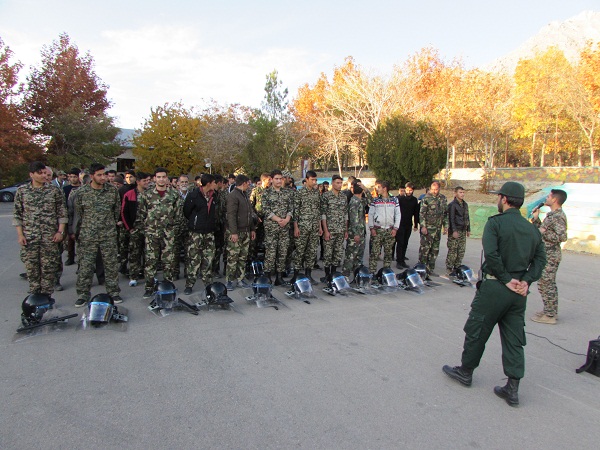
column 22, row 241
column 296, row 230
column 373, row 232
column 535, row 214
column 252, row 235
column 542, row 230
column 514, row 285
column 326, row 235
column 468, row 234
column 445, row 231
column 394, row 232
column 58, row 237
column 357, row 239
column 455, row 235
column 424, row 230
column 233, row 238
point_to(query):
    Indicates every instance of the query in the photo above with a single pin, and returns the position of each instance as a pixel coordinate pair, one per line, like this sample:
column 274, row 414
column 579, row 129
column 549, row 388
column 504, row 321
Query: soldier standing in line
column 278, row 208
column 409, row 218
column 199, row 210
column 288, row 183
column 98, row 211
column 307, row 226
column 40, row 219
column 136, row 235
column 240, row 231
column 459, row 229
column 124, row 235
column 514, row 258
column 221, row 210
column 384, row 220
column 554, row 231
column 74, row 184
column 355, row 244
column 159, row 215
column 434, row 220
column 256, row 202
column 334, row 220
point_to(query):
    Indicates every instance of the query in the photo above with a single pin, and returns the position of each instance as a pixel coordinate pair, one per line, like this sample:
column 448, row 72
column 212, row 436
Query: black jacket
column 409, row 211
column 201, row 217
column 458, row 216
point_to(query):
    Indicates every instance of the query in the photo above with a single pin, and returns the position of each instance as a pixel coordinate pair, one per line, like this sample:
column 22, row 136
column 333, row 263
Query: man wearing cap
column 514, row 258
column 554, row 232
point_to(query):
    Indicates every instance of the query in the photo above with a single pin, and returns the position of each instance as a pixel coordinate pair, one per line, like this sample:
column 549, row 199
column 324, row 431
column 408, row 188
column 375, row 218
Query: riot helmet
column 100, row 309
column 465, row 273
column 216, row 293
column 339, row 282
column 302, row 287
column 387, row 277
column 362, row 277
column 262, row 287
column 421, row 270
column 257, row 268
column 34, row 307
column 413, row 279
column 165, row 295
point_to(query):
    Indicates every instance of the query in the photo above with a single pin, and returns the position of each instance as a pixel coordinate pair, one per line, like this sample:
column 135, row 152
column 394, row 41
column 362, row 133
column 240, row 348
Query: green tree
column 400, row 150
column 170, row 138
column 261, row 154
column 66, row 104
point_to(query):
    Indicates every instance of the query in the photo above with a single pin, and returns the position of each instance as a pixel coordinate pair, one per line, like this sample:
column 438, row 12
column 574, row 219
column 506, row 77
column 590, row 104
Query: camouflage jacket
column 277, row 203
column 334, row 210
column 555, row 224
column 356, row 217
column 156, row 214
column 307, row 207
column 256, row 200
column 39, row 211
column 97, row 212
column 434, row 212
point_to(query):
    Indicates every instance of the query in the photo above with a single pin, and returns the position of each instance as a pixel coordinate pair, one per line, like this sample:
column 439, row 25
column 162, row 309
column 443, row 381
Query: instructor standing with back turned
column 514, row 258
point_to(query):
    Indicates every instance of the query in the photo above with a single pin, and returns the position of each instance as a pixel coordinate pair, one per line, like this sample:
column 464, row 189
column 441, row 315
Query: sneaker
column 148, row 293
column 132, row 283
column 244, row 284
column 117, row 299
column 58, row 287
column 80, row 302
column 187, row 291
column 230, row 286
column 550, row 320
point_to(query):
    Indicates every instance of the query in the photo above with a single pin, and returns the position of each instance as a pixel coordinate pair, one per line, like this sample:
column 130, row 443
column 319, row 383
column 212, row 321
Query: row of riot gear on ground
column 38, row 310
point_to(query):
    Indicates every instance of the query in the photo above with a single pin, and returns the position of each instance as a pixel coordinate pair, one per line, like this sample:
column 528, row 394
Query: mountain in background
column 570, row 36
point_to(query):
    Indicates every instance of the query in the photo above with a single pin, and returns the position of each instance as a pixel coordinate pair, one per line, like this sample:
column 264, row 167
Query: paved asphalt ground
column 355, row 372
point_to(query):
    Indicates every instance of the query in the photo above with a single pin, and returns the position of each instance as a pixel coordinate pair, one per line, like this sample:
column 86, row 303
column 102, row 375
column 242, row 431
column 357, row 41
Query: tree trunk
column 532, row 153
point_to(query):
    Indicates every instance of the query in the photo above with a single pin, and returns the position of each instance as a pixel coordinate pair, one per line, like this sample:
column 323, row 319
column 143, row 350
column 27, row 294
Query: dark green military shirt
column 39, row 211
column 434, row 211
column 97, row 212
column 256, row 200
column 356, row 217
column 334, row 210
column 513, row 248
column 277, row 203
column 158, row 213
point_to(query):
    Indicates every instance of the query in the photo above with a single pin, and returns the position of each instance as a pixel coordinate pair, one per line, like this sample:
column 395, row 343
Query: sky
column 154, row 52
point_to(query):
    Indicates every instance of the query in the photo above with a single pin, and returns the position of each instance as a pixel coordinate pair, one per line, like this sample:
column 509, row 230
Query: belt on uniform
column 489, row 277
column 377, row 227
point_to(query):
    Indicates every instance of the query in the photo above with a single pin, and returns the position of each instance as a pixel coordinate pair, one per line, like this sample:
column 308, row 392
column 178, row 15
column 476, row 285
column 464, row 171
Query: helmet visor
column 100, row 312
column 414, row 281
column 340, row 282
column 166, row 299
column 389, row 279
column 468, row 275
column 303, row 286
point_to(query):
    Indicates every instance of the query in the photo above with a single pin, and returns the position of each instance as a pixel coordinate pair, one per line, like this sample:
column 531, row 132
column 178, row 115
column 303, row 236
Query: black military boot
column 462, row 374
column 279, row 281
column 510, row 392
column 308, row 273
column 295, row 277
column 325, row 279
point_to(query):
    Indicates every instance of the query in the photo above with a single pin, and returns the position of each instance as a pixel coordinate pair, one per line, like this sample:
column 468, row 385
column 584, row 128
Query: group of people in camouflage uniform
column 144, row 225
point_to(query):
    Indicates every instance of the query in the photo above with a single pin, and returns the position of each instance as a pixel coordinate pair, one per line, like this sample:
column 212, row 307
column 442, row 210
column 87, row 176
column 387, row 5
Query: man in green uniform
column 434, row 218
column 278, row 208
column 355, row 244
column 40, row 219
column 307, row 226
column 159, row 215
column 514, row 258
column 334, row 220
column 97, row 212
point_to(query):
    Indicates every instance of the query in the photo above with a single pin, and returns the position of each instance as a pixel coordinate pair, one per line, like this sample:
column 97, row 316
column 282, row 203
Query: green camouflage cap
column 511, row 189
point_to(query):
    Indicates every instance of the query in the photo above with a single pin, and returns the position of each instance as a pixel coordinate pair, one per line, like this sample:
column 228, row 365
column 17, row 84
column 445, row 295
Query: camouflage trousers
column 430, row 247
column 306, row 247
column 237, row 252
column 159, row 246
column 289, row 257
column 136, row 252
column 277, row 241
column 456, row 250
column 334, row 249
column 383, row 238
column 87, row 255
column 547, row 282
column 199, row 258
column 41, row 264
column 124, row 237
column 355, row 252
column 60, row 267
